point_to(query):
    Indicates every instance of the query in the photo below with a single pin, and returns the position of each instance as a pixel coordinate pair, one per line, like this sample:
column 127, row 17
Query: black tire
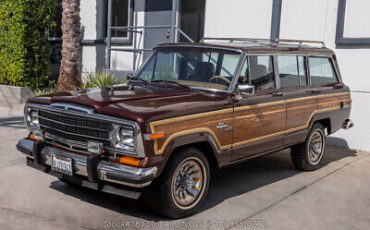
column 302, row 155
column 162, row 193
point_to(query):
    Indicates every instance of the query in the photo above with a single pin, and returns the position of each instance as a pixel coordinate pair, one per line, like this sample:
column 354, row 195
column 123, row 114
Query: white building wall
column 88, row 14
column 308, row 20
column 238, row 18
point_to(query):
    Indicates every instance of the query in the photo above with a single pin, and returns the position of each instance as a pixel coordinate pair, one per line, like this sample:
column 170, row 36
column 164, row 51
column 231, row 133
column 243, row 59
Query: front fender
column 188, row 139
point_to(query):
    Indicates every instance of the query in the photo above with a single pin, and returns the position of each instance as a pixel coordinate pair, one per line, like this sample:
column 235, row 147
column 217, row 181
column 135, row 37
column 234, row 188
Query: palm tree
column 70, row 69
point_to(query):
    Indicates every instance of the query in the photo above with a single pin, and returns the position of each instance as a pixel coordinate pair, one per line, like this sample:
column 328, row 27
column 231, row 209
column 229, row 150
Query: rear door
column 294, row 82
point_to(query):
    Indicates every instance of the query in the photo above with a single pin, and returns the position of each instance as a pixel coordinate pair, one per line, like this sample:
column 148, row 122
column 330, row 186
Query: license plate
column 62, row 165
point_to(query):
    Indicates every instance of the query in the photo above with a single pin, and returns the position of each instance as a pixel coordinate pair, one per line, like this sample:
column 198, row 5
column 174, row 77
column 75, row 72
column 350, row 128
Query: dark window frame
column 120, row 40
column 340, row 39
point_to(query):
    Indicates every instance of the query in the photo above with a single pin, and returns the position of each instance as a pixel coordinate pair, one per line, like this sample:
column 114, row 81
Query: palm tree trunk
column 70, row 69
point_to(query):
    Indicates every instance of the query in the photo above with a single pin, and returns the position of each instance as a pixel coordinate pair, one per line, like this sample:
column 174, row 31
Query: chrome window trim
column 280, row 53
column 234, row 82
column 236, row 71
column 140, row 152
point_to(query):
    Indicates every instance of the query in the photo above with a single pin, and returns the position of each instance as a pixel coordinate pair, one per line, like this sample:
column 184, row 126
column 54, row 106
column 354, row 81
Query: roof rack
column 254, row 40
column 263, row 41
column 300, row 42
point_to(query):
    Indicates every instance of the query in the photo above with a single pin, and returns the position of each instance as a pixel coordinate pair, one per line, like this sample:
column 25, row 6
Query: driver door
column 259, row 120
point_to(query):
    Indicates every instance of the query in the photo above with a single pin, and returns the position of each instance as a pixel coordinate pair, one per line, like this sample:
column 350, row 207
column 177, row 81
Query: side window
column 321, row 71
column 261, row 72
column 292, row 71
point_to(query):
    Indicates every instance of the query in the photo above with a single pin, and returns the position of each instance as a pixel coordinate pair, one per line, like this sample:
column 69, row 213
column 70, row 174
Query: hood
column 143, row 103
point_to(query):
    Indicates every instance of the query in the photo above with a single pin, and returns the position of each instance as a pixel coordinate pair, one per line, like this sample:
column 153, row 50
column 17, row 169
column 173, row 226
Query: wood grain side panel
column 195, row 124
column 258, row 123
column 299, row 113
column 332, row 101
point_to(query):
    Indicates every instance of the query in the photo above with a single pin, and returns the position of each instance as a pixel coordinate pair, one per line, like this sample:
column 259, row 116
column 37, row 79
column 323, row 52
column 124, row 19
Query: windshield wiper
column 170, row 82
column 137, row 79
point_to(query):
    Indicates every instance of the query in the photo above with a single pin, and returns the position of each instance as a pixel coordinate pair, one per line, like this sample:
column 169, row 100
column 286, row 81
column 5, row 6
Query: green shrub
column 41, row 92
column 101, row 79
column 24, row 47
column 51, row 89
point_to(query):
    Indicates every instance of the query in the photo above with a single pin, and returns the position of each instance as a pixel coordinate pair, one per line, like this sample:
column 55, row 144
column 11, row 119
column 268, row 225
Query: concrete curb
column 14, row 97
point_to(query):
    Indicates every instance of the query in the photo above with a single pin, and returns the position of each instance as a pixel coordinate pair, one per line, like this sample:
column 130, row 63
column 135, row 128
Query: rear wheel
column 183, row 185
column 307, row 155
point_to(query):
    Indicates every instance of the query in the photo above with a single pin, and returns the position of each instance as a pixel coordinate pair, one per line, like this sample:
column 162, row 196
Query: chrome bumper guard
column 106, row 171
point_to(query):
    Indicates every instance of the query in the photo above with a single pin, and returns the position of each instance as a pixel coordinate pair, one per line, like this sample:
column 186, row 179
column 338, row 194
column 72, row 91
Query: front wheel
column 307, row 155
column 183, row 185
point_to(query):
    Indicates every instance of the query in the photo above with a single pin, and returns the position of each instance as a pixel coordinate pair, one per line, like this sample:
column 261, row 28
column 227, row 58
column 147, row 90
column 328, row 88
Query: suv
column 188, row 109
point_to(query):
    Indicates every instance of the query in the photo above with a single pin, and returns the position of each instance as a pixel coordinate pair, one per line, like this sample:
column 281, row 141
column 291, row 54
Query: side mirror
column 246, row 90
column 129, row 76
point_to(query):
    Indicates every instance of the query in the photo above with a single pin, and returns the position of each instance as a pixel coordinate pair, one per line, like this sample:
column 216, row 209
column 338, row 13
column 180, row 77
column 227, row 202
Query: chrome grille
column 71, row 126
column 75, row 127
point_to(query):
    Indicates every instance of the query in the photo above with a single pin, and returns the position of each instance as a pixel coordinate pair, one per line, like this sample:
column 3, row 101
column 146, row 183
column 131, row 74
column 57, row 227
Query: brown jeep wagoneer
column 190, row 108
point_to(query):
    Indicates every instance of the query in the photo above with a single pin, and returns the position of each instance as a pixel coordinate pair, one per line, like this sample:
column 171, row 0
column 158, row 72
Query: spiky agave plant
column 101, row 79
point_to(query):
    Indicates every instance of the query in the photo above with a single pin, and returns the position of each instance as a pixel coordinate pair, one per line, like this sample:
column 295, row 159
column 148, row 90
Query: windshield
column 199, row 67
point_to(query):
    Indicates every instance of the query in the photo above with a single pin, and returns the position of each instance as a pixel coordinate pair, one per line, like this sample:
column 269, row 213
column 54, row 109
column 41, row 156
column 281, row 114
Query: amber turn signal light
column 128, row 160
column 32, row 137
column 156, row 136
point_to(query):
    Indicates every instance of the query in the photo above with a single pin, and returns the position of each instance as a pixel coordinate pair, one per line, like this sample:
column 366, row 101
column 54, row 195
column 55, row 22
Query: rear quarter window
column 321, row 71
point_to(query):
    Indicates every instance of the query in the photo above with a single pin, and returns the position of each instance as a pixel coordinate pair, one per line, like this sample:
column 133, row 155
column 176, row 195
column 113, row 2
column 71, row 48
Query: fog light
column 94, row 147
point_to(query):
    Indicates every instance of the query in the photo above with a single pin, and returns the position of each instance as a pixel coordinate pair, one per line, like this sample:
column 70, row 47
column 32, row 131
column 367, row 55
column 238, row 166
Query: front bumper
column 104, row 171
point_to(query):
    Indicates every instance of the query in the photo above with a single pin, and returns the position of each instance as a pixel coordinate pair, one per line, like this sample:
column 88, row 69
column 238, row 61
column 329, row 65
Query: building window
column 121, row 17
column 353, row 23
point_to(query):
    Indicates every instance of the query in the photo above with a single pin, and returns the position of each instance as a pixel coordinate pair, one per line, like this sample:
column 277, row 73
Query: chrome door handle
column 279, row 94
column 313, row 90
